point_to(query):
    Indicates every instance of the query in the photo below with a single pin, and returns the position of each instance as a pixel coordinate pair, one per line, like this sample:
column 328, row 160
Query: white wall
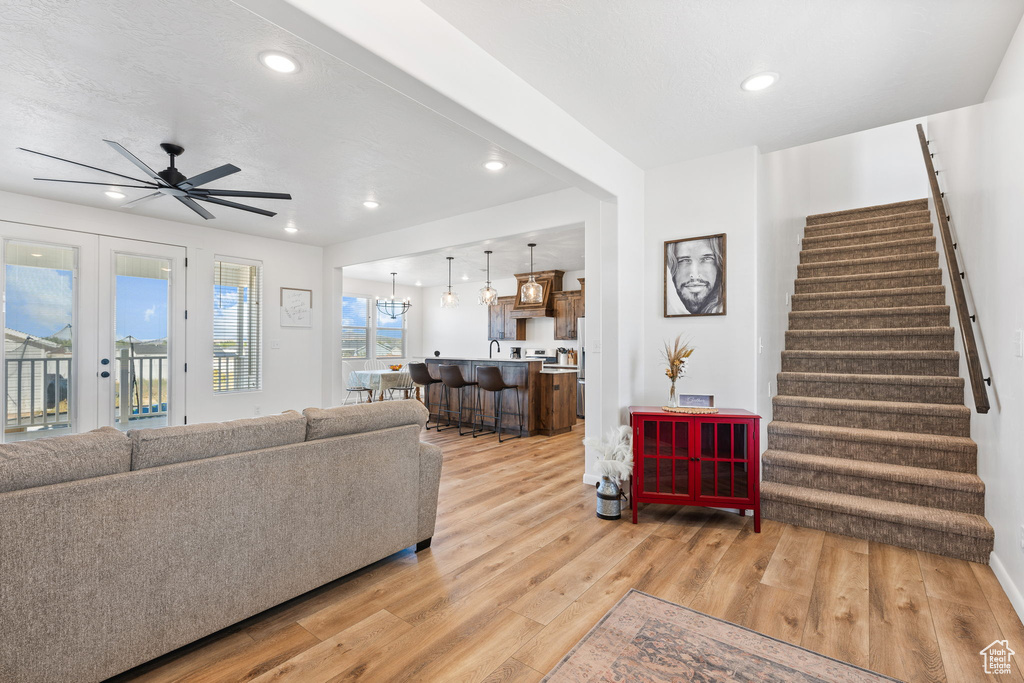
column 291, row 373
column 978, row 152
column 876, row 166
column 462, row 331
column 702, row 197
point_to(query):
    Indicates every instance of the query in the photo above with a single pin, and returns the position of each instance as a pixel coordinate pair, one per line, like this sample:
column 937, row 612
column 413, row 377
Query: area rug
column 644, row 639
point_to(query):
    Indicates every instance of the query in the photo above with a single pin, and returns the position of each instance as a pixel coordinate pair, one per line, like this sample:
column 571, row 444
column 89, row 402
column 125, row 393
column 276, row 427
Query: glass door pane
column 39, row 340
column 142, row 373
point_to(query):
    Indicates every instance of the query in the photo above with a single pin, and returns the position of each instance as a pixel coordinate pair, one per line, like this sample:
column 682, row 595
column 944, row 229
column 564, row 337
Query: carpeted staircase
column 871, row 437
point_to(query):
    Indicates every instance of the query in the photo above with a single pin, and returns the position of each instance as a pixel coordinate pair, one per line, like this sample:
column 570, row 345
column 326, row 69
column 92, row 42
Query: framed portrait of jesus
column 695, row 276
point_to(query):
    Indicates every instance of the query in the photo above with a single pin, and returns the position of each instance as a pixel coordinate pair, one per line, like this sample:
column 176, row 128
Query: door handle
column 104, row 374
column 105, row 361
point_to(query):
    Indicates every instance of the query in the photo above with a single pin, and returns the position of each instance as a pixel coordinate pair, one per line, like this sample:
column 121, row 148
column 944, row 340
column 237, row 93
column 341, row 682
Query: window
column 237, row 328
column 363, row 328
column 355, row 327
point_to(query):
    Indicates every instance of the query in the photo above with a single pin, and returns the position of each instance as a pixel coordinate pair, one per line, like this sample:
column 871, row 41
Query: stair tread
column 861, row 405
column 869, row 469
column 882, row 310
column 882, row 436
column 851, row 213
column 871, row 245
column 863, row 293
column 960, row 523
column 887, row 230
column 923, row 214
column 893, row 258
column 846, row 378
column 850, row 277
column 870, row 331
column 927, row 354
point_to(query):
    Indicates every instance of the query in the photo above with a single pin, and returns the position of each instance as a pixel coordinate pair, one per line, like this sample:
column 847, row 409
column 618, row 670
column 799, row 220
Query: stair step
column 912, row 245
column 873, row 235
column 870, row 223
column 894, row 416
column 883, row 339
column 934, row 295
column 872, row 387
column 895, row 208
column 954, row 453
column 871, row 362
column 957, row 491
column 875, row 264
column 868, row 281
column 870, row 318
column 943, row 532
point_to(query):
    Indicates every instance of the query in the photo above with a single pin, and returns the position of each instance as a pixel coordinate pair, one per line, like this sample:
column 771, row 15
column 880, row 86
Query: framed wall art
column 296, row 307
column 695, row 276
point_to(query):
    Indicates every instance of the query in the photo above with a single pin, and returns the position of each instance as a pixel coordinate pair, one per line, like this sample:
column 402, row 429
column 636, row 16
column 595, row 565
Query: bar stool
column 489, row 378
column 451, row 376
column 420, row 375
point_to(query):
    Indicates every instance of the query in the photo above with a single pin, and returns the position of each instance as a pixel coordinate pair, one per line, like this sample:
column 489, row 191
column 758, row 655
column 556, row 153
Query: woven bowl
column 395, row 368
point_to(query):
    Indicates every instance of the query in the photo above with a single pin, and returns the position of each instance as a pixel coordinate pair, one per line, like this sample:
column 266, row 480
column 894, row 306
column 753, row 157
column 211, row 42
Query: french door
column 94, row 332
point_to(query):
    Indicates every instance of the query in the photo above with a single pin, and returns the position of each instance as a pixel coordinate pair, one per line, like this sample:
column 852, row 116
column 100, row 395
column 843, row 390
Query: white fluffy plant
column 616, row 453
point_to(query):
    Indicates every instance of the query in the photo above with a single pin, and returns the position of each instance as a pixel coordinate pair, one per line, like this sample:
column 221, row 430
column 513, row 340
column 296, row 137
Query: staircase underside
column 871, row 437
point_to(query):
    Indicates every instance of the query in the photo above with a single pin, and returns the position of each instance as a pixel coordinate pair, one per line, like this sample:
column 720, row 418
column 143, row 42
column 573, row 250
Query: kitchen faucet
column 490, row 348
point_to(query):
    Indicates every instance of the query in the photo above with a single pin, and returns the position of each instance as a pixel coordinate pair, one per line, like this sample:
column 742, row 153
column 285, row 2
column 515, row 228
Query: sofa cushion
column 323, row 423
column 168, row 445
column 26, row 464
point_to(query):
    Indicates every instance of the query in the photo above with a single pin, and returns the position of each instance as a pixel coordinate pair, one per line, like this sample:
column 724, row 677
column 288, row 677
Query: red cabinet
column 707, row 460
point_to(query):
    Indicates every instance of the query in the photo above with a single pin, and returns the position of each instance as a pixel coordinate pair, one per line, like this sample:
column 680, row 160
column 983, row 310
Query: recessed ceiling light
column 291, row 228
column 419, row 284
column 495, row 165
column 166, row 270
column 279, row 62
column 465, row 277
column 760, row 81
column 114, row 194
column 37, row 255
column 370, row 204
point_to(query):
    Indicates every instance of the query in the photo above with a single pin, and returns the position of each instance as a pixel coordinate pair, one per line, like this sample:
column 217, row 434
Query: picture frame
column 695, row 400
column 296, row 307
column 695, row 276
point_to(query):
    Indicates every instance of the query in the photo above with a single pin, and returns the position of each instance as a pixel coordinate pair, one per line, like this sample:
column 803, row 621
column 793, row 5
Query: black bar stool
column 420, row 375
column 451, row 376
column 489, row 378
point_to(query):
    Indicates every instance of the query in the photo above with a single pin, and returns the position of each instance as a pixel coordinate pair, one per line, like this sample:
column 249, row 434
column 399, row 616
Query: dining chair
column 353, row 387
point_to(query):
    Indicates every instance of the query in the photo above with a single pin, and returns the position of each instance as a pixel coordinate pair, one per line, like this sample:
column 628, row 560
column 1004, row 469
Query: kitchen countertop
column 557, row 371
column 495, row 360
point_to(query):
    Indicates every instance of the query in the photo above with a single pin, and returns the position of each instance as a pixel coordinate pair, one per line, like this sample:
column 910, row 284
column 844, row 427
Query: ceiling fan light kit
column 488, row 294
column 393, row 307
column 449, row 299
column 533, row 291
column 172, row 182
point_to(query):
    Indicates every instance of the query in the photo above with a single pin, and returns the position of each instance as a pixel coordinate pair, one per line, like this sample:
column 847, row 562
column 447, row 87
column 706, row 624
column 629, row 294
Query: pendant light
column 393, row 307
column 449, row 299
column 533, row 292
column 488, row 294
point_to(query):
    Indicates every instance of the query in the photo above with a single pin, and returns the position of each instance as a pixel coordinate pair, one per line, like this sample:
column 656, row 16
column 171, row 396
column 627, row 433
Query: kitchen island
column 547, row 397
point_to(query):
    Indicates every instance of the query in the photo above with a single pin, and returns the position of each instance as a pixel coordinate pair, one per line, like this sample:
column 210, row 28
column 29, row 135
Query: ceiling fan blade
column 242, row 193
column 144, row 198
column 195, row 207
column 68, row 161
column 87, row 182
column 135, row 160
column 235, row 205
column 209, row 176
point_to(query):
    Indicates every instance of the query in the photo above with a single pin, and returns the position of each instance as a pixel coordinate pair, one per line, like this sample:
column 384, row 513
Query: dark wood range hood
column 551, row 281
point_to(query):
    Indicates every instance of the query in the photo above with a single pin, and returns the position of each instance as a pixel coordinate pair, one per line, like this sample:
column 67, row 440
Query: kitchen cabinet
column 568, row 307
column 500, row 323
column 557, row 403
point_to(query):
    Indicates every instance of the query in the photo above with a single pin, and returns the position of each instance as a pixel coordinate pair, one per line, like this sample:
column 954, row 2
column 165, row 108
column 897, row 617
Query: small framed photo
column 695, row 400
column 296, row 307
column 695, row 276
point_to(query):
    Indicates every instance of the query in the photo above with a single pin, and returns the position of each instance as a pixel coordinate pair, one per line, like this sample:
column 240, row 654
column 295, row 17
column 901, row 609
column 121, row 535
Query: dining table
column 383, row 381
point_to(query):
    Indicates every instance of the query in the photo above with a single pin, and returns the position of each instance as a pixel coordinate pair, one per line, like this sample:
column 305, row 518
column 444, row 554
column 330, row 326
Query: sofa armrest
column 430, row 483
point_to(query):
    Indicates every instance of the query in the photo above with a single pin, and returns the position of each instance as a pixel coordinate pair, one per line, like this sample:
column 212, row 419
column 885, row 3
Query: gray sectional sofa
column 116, row 549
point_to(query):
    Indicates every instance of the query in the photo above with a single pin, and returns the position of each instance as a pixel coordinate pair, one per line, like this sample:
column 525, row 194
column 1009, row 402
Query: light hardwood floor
column 520, row 569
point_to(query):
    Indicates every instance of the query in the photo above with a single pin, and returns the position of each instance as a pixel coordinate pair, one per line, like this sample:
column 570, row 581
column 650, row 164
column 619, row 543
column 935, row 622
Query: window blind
column 237, row 326
column 355, row 326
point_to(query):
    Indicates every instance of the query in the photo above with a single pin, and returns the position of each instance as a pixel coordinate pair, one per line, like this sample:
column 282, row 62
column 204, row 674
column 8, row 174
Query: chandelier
column 488, row 294
column 449, row 299
column 392, row 307
column 532, row 292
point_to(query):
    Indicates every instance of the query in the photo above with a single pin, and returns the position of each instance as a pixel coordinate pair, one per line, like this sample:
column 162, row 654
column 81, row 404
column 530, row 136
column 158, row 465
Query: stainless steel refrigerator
column 581, row 370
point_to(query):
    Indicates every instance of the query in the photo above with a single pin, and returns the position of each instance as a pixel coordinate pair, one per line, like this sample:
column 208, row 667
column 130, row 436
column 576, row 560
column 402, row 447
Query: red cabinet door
column 665, row 466
column 726, row 467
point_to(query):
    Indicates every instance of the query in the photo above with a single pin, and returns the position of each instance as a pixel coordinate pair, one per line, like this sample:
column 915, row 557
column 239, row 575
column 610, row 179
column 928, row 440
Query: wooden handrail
column 956, row 283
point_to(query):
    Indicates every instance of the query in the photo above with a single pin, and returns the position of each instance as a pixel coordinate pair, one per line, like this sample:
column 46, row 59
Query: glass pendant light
column 449, row 299
column 393, row 307
column 488, row 294
column 533, row 292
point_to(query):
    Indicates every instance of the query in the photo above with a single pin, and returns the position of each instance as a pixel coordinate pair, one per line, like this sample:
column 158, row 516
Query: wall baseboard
column 1006, row 581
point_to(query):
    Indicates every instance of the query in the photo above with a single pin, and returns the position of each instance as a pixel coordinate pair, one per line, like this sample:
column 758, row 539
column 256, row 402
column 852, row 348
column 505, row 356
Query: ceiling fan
column 173, row 183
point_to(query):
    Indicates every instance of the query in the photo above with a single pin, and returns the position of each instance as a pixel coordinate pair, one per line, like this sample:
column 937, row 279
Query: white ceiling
column 142, row 73
column 557, row 249
column 659, row 79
